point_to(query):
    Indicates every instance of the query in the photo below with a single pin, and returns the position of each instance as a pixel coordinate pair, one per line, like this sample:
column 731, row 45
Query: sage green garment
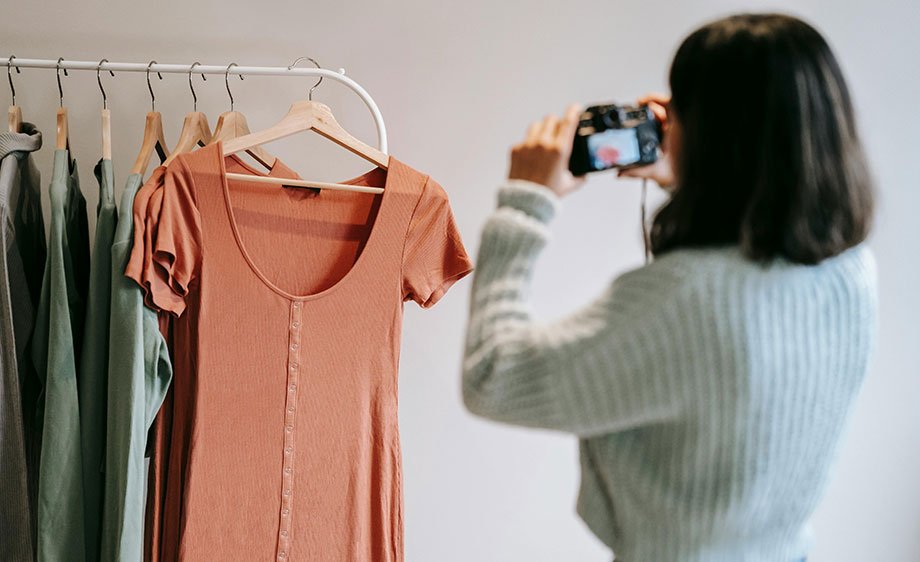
column 139, row 375
column 58, row 331
column 92, row 383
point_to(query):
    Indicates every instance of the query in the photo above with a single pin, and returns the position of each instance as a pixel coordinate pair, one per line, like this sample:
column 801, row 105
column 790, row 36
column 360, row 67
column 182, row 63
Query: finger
column 657, row 97
column 644, row 172
column 548, row 131
column 660, row 111
column 533, row 133
column 566, row 129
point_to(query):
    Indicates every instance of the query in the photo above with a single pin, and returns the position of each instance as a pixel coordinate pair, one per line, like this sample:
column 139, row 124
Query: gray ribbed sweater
column 709, row 392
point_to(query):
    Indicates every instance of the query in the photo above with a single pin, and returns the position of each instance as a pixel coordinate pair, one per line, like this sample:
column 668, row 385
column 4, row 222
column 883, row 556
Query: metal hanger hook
column 99, row 80
column 318, row 82
column 227, row 82
column 153, row 98
column 191, row 87
column 60, row 88
column 9, row 73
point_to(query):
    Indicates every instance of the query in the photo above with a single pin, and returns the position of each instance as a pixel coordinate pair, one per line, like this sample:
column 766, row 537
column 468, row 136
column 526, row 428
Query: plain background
column 457, row 83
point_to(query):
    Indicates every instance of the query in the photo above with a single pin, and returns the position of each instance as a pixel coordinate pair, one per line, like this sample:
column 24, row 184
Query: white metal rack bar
column 212, row 69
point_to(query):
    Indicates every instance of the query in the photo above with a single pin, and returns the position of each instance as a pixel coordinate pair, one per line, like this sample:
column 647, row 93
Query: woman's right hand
column 543, row 157
column 662, row 170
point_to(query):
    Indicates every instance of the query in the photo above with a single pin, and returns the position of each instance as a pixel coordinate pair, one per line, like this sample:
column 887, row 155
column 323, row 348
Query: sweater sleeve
column 606, row 368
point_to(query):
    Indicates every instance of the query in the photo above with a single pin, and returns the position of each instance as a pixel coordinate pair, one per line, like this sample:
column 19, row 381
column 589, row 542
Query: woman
column 709, row 389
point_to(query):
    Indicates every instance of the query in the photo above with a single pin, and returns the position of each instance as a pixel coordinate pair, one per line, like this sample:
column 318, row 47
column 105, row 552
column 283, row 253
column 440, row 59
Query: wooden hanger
column 195, row 132
column 307, row 115
column 232, row 124
column 195, row 129
column 14, row 114
column 62, row 140
column 15, row 119
column 154, row 139
column 106, row 134
column 106, row 116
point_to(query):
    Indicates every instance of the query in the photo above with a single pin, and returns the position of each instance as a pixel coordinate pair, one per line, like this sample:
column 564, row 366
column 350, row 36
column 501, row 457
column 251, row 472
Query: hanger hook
column 9, row 73
column 191, row 87
column 227, row 82
column 99, row 80
column 153, row 98
column 60, row 89
column 318, row 82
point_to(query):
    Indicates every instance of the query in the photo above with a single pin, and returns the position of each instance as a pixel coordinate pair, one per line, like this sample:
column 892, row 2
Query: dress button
column 291, row 409
column 294, row 367
column 282, row 554
column 293, row 387
column 295, row 325
column 293, row 346
column 288, row 470
column 289, row 428
column 284, row 533
column 287, row 450
column 287, row 492
column 285, row 511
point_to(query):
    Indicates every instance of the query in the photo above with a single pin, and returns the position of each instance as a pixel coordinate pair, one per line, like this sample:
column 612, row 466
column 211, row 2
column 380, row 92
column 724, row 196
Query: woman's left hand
column 543, row 157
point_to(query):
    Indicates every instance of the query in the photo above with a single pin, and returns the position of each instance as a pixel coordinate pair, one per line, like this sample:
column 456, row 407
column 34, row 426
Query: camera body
column 615, row 136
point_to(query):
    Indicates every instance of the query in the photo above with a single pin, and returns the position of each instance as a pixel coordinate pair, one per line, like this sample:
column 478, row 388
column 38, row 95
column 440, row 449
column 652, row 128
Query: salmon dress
column 285, row 308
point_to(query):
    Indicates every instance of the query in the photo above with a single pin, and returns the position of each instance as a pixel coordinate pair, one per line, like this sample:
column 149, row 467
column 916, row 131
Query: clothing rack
column 338, row 76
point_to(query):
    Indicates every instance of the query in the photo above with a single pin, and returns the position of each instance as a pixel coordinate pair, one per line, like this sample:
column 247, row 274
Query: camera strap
column 646, row 237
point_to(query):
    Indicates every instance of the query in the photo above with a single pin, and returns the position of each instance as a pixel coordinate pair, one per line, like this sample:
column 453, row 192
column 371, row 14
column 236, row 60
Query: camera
column 615, row 136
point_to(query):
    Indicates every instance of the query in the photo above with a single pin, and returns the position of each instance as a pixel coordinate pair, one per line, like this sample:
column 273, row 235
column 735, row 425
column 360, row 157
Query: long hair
column 769, row 156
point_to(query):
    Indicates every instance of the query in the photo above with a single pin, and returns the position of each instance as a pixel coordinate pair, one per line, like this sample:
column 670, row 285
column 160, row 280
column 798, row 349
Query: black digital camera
column 615, row 136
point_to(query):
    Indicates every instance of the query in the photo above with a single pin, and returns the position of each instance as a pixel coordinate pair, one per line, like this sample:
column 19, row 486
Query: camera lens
column 610, row 119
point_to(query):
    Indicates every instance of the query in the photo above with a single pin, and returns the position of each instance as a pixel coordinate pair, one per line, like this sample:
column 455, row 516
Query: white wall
column 458, row 83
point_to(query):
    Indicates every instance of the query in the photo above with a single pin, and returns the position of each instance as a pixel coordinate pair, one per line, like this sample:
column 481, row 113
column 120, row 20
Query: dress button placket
column 290, row 408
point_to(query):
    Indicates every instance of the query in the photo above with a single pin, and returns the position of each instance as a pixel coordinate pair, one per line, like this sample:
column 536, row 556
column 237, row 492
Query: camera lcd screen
column 614, row 147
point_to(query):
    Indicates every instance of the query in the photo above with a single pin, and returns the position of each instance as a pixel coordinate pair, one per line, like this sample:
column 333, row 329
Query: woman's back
column 767, row 361
column 710, row 388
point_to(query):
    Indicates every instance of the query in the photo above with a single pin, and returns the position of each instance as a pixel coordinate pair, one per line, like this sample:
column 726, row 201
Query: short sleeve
column 434, row 257
column 176, row 244
column 139, row 248
column 151, row 271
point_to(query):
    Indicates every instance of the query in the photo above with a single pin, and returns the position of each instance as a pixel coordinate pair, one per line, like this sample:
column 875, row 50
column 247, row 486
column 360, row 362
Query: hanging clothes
column 22, row 257
column 287, row 309
column 93, row 368
column 141, row 267
column 139, row 375
column 55, row 352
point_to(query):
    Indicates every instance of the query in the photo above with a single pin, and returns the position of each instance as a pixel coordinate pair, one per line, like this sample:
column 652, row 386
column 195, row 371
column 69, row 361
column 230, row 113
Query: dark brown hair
column 769, row 155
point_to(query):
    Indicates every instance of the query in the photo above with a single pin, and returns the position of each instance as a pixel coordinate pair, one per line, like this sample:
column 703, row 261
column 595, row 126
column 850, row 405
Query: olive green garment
column 58, row 331
column 139, row 375
column 92, row 382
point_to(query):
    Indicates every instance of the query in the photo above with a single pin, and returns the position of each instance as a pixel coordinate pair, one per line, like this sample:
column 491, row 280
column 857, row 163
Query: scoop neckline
column 369, row 243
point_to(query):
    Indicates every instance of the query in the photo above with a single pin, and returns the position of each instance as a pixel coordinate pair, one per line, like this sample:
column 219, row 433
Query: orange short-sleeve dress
column 286, row 308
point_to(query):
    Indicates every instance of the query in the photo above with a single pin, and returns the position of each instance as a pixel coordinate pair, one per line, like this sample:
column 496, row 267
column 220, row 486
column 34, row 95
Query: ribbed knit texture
column 22, row 259
column 709, row 392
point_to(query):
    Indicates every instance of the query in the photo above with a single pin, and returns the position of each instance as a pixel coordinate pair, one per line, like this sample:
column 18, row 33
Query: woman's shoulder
column 686, row 264
column 681, row 269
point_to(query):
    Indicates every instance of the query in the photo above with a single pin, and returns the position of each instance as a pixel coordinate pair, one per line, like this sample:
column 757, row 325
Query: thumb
column 644, row 172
